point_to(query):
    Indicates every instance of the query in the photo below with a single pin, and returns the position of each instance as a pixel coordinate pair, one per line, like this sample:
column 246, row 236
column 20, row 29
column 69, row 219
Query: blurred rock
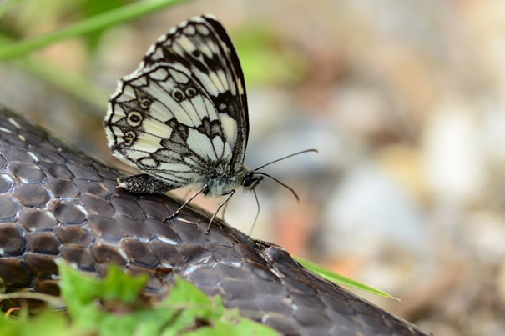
column 370, row 212
column 454, row 156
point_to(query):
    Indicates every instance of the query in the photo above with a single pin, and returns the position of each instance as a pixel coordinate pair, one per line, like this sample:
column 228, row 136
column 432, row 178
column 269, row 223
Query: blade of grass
column 97, row 22
column 340, row 279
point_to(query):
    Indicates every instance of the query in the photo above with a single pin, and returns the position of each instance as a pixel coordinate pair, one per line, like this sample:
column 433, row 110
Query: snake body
column 58, row 202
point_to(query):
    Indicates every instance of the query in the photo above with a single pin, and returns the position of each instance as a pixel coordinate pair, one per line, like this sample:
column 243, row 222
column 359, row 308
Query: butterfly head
column 251, row 180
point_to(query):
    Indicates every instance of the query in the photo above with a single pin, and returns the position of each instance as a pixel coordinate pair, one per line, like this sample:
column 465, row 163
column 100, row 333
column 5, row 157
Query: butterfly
column 182, row 118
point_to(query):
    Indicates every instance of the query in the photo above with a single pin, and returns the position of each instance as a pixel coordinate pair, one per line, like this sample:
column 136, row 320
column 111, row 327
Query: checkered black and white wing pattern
column 203, row 46
column 164, row 123
column 182, row 114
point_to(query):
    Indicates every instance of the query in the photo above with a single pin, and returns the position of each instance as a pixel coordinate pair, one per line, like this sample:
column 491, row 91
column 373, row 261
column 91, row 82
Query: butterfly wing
column 203, row 46
column 163, row 122
column 183, row 112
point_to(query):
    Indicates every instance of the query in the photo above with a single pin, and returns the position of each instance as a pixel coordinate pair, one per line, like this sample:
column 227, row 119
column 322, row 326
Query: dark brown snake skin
column 57, row 202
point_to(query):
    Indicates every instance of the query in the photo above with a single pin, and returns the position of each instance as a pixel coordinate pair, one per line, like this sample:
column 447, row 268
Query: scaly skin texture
column 57, row 202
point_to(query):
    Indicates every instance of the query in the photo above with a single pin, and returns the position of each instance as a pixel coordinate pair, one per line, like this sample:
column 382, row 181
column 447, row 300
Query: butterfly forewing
column 203, row 47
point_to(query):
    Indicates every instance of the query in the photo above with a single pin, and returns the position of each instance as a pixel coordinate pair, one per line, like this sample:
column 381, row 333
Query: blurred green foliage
column 113, row 306
column 266, row 59
column 89, row 20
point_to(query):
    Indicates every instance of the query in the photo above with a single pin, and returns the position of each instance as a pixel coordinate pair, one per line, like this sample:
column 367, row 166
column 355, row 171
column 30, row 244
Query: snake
column 58, row 202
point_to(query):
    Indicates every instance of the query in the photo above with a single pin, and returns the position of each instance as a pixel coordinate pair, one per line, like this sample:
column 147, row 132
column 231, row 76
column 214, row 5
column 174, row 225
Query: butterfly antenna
column 282, row 184
column 287, row 157
column 257, row 213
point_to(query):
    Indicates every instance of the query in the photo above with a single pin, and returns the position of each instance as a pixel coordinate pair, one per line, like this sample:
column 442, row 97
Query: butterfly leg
column 224, row 211
column 201, row 190
column 230, row 194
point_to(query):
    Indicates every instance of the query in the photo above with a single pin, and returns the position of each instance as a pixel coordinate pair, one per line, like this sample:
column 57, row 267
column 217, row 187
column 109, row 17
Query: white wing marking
column 148, row 162
column 190, row 30
column 230, row 128
column 160, row 112
column 186, row 44
column 218, row 147
column 200, row 144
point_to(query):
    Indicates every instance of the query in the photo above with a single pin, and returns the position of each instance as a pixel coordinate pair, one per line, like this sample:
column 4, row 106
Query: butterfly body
column 214, row 185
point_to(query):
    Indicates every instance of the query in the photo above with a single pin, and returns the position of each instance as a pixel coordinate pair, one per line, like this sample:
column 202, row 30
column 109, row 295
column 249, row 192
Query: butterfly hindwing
column 203, row 47
column 162, row 121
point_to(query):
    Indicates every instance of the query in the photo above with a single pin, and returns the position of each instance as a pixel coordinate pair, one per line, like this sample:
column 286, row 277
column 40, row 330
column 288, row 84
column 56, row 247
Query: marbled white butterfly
column 181, row 118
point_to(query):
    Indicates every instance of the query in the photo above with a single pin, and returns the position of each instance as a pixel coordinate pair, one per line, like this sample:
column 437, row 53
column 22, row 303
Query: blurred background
column 405, row 101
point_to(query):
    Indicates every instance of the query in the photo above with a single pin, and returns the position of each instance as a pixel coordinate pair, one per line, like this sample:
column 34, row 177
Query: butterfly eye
column 251, row 181
column 191, row 92
column 178, row 95
column 144, row 103
column 134, row 119
column 129, row 138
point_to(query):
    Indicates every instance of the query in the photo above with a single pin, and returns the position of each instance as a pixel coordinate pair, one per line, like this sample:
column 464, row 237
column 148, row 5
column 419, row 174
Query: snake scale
column 58, row 202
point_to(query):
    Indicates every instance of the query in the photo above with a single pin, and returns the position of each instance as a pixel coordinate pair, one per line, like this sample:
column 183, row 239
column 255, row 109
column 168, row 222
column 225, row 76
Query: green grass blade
column 340, row 279
column 92, row 24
